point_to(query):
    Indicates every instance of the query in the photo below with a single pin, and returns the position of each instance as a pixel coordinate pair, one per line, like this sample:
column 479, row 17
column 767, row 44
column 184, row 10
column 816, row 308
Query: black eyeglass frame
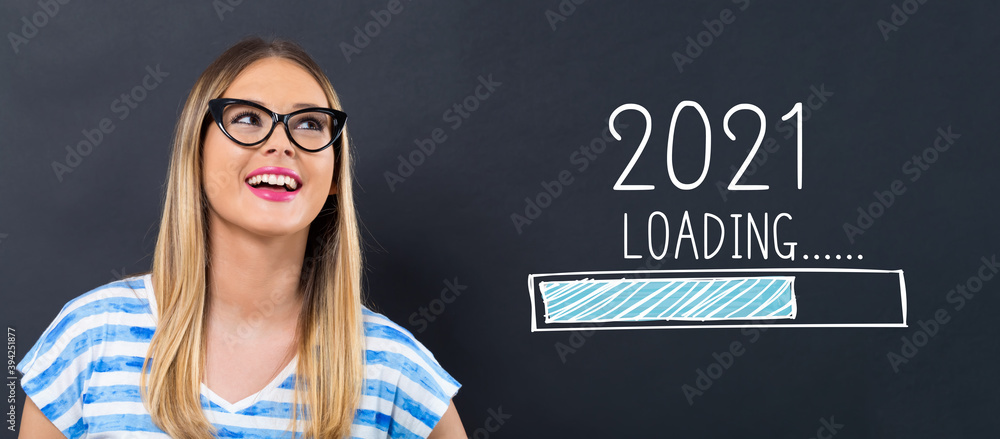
column 216, row 107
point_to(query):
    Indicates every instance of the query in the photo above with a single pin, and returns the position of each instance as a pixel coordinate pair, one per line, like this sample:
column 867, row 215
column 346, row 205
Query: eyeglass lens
column 248, row 124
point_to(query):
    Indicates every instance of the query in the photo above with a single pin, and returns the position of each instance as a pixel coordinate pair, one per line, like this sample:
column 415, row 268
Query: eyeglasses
column 250, row 124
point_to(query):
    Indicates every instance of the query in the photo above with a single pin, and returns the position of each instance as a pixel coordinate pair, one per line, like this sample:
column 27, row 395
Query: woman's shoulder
column 102, row 331
column 383, row 334
column 130, row 295
column 118, row 295
column 389, row 345
column 86, row 320
column 400, row 369
column 134, row 289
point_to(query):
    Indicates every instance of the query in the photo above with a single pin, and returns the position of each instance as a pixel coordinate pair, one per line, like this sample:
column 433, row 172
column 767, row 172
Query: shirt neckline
column 231, row 407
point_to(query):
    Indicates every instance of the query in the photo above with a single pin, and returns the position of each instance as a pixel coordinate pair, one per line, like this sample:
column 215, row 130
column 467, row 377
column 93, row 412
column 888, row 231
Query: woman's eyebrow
column 296, row 106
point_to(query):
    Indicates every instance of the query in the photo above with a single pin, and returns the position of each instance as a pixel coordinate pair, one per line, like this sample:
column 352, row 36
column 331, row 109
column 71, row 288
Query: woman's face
column 281, row 86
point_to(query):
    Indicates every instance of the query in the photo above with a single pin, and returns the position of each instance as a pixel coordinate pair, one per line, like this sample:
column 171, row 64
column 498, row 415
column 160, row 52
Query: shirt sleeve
column 55, row 371
column 423, row 389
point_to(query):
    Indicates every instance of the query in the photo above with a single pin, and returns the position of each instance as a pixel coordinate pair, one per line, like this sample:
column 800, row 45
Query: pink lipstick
column 273, row 183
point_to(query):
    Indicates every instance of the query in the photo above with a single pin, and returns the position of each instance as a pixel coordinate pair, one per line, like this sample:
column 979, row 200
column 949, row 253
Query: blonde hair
column 330, row 346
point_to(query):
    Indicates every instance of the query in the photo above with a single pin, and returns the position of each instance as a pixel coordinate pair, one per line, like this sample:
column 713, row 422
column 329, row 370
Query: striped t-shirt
column 83, row 373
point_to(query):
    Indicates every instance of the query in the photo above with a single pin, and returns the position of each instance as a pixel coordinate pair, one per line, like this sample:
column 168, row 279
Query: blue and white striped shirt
column 83, row 373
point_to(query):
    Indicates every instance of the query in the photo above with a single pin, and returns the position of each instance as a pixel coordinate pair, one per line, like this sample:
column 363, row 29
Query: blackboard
column 486, row 185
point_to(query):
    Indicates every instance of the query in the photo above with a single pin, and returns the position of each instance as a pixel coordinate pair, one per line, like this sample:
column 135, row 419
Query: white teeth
column 273, row 179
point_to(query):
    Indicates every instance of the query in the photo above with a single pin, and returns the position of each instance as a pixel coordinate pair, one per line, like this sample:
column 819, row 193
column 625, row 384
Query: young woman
column 250, row 323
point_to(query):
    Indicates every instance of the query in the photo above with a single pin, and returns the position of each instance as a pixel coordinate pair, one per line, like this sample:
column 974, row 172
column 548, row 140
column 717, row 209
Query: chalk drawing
column 702, row 299
column 692, row 296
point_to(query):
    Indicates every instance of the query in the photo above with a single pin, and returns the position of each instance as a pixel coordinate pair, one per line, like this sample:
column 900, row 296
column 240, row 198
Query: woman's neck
column 253, row 281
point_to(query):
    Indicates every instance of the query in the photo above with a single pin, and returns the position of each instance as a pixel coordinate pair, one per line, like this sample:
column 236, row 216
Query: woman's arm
column 35, row 425
column 450, row 425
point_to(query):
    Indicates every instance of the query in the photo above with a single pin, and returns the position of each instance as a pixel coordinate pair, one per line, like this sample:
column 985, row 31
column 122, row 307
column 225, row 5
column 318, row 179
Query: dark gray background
column 451, row 218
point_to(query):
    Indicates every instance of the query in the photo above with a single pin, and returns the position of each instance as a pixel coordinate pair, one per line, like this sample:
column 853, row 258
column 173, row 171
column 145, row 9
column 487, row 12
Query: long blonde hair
column 330, row 347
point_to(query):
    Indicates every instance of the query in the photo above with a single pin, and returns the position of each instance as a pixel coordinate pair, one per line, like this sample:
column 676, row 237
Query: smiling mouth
column 278, row 183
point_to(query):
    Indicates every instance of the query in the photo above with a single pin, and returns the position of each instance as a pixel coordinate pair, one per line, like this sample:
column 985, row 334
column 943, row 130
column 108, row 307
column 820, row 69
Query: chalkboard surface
column 606, row 219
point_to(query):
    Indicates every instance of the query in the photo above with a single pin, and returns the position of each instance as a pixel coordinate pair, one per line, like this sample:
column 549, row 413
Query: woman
column 250, row 323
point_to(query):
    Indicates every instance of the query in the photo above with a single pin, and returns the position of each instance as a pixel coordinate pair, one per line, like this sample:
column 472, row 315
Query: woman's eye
column 247, row 118
column 309, row 124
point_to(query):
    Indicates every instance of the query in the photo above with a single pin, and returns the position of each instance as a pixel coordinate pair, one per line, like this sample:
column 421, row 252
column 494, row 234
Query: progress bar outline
column 582, row 277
